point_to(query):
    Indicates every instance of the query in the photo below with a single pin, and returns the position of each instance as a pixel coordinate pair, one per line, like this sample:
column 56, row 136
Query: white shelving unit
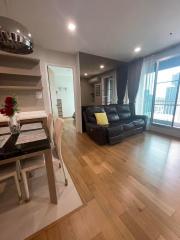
column 20, row 76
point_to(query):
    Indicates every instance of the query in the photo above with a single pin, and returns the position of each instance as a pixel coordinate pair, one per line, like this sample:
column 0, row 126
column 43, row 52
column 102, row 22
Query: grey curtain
column 134, row 74
column 121, row 76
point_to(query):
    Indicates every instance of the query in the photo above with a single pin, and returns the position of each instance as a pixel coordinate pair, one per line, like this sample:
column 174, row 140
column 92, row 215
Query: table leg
column 50, row 176
column 18, row 169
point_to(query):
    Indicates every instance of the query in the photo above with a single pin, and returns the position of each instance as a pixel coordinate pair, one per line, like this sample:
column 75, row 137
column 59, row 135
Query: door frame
column 49, row 88
column 109, row 75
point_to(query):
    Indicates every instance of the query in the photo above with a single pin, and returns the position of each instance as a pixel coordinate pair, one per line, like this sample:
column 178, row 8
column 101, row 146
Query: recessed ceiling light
column 101, row 66
column 29, row 35
column 18, row 31
column 137, row 49
column 71, row 27
column 85, row 74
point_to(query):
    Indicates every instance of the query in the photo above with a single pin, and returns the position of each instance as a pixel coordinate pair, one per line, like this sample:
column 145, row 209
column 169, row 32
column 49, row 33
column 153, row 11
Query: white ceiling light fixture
column 72, row 27
column 29, row 35
column 18, row 31
column 137, row 49
column 86, row 74
column 101, row 66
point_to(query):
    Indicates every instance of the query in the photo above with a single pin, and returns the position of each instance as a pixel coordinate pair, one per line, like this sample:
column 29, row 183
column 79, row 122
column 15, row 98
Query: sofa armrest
column 97, row 133
column 144, row 117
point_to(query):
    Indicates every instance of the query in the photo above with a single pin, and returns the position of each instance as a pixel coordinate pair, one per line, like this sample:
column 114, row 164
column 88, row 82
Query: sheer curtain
column 146, row 88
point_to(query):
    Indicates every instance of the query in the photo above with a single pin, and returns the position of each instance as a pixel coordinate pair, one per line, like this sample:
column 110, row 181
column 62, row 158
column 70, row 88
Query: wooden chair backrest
column 58, row 130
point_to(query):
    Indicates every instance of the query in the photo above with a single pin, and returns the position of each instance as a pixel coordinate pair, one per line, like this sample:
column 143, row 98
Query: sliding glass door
column 166, row 104
column 177, row 113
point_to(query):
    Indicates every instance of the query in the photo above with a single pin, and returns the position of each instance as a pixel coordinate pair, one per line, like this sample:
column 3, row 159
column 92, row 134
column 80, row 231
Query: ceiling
column 105, row 28
column 90, row 64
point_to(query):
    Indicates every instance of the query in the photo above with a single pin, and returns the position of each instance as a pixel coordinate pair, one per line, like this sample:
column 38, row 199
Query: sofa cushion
column 128, row 126
column 123, row 111
column 90, row 113
column 112, row 113
column 101, row 119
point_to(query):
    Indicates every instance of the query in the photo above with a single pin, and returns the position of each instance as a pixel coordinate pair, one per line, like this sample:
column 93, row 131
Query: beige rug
column 18, row 221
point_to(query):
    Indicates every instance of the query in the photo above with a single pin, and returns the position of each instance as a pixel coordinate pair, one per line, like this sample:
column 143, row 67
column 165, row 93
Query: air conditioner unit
column 94, row 80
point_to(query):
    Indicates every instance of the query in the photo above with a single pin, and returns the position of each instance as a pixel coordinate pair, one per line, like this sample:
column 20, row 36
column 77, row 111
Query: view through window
column 166, row 109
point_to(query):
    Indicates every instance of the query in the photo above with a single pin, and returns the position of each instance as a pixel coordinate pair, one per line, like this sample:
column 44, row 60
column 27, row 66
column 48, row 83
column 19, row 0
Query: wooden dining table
column 12, row 152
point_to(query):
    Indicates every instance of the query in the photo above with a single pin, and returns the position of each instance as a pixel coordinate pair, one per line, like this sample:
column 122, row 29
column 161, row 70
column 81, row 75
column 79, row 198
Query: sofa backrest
column 123, row 111
column 90, row 112
column 112, row 113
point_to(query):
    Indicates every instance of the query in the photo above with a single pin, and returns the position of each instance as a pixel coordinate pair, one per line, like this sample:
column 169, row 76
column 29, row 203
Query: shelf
column 20, row 88
column 17, row 72
column 14, row 57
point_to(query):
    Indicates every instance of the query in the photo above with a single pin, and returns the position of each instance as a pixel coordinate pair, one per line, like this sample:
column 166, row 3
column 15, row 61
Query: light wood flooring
column 130, row 191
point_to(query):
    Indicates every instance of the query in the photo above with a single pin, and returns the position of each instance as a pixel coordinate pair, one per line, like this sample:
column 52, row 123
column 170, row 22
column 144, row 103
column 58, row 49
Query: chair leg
column 62, row 165
column 26, row 188
column 18, row 187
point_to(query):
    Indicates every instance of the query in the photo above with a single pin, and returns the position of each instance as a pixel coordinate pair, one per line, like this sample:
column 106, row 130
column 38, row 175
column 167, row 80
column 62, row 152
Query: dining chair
column 27, row 166
column 50, row 126
column 9, row 171
column 58, row 130
column 37, row 162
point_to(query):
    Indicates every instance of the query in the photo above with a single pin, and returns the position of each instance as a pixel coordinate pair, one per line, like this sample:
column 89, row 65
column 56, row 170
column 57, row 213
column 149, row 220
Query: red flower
column 9, row 101
column 10, row 106
column 2, row 111
column 9, row 111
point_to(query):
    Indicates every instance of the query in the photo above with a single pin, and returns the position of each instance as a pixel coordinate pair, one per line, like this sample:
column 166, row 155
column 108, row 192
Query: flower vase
column 14, row 124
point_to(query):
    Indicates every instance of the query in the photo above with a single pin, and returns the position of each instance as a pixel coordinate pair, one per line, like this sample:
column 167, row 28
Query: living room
column 89, row 120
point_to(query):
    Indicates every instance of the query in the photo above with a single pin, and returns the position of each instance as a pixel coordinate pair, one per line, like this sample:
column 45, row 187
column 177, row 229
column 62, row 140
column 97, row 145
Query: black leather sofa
column 122, row 123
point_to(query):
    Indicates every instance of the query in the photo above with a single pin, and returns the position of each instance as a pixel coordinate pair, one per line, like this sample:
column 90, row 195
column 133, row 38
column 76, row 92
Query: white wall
column 48, row 57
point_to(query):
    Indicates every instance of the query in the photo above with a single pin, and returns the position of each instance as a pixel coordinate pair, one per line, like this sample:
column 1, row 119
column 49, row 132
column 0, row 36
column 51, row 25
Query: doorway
column 61, row 91
column 109, row 89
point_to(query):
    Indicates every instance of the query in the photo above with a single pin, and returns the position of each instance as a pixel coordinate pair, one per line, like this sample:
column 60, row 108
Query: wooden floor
column 130, row 190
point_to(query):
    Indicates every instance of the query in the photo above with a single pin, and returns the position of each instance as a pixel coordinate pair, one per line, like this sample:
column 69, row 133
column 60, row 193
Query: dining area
column 29, row 150
column 35, row 186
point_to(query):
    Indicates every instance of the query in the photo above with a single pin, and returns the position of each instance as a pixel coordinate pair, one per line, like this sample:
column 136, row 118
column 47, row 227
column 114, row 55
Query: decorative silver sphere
column 14, row 37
